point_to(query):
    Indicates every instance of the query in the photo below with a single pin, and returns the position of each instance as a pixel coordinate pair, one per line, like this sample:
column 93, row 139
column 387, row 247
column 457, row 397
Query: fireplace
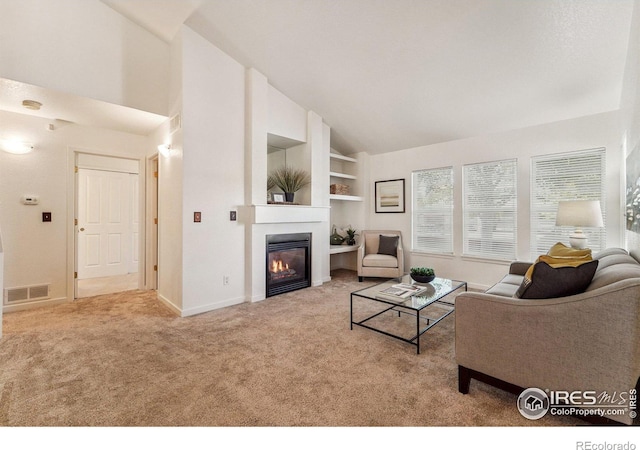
column 288, row 262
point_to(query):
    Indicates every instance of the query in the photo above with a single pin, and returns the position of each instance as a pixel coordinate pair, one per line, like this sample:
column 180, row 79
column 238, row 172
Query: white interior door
column 104, row 223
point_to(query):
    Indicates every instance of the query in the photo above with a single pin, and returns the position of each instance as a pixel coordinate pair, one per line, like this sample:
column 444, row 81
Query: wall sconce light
column 164, row 149
column 16, row 147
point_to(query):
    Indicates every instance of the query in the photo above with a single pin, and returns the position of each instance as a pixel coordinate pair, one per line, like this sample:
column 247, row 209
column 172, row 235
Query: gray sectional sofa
column 589, row 341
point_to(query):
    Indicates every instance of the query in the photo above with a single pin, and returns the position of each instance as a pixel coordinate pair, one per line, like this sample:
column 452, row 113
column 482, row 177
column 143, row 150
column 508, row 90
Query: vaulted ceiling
column 387, row 75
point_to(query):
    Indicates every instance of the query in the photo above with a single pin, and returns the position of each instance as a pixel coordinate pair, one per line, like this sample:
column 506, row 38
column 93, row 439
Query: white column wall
column 170, row 178
column 284, row 117
column 213, row 182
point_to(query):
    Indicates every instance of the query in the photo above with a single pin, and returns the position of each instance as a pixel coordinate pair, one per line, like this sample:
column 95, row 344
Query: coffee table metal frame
column 438, row 288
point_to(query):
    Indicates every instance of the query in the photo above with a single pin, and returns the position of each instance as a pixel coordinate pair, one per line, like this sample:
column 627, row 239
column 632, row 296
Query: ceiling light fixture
column 16, row 147
column 31, row 104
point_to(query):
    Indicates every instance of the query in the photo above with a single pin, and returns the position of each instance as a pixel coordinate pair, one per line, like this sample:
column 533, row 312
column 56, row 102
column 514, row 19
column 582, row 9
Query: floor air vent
column 26, row 293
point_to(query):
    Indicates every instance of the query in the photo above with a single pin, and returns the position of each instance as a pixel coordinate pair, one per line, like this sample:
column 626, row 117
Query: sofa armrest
column 581, row 342
column 519, row 267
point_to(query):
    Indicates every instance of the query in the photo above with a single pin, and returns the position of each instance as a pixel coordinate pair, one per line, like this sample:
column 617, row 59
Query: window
column 566, row 176
column 432, row 211
column 490, row 209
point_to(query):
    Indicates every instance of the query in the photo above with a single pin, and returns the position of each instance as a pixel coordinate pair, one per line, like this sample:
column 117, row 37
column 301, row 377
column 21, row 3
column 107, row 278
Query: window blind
column 576, row 175
column 432, row 210
column 490, row 209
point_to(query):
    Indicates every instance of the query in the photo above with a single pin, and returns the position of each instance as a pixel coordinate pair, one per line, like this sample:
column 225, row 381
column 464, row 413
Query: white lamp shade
column 579, row 213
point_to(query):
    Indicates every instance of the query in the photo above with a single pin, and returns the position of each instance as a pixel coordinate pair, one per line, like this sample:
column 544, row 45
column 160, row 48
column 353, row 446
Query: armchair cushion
column 377, row 260
column 388, row 245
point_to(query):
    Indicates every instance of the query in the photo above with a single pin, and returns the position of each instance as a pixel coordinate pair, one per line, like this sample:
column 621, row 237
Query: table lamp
column 579, row 213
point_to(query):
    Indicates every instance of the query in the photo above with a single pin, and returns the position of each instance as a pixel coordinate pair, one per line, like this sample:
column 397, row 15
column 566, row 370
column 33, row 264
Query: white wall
column 170, row 178
column 213, row 182
column 37, row 252
column 285, row 117
column 602, row 130
column 83, row 47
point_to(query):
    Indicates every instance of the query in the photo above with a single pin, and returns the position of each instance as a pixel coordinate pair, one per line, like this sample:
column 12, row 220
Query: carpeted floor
column 291, row 360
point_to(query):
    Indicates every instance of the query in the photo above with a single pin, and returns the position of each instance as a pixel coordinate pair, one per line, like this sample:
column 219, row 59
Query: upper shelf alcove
column 343, row 171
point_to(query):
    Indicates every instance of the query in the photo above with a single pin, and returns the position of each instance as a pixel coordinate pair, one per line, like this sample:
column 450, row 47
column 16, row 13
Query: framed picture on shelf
column 390, row 196
column 278, row 197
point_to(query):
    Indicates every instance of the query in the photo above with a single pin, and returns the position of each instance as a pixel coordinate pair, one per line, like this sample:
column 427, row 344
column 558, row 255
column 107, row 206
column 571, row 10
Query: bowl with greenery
column 422, row 274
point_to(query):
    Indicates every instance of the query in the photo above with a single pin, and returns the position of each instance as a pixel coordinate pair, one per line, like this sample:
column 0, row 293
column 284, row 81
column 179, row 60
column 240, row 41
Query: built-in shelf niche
column 343, row 172
column 282, row 151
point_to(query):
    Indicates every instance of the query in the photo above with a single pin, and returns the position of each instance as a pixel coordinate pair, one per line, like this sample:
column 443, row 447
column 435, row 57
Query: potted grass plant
column 351, row 235
column 288, row 179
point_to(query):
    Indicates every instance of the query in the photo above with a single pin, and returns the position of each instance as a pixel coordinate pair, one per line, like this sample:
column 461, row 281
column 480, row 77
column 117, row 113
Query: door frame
column 152, row 181
column 72, row 215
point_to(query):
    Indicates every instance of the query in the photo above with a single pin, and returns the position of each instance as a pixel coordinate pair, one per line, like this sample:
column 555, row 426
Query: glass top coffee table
column 427, row 307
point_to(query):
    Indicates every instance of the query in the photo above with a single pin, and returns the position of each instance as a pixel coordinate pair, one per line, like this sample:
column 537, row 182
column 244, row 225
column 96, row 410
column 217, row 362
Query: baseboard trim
column 255, row 298
column 169, row 304
column 211, row 306
column 35, row 304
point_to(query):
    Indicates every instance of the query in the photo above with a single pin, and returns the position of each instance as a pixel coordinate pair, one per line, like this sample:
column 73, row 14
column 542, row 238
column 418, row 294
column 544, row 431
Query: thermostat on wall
column 30, row 199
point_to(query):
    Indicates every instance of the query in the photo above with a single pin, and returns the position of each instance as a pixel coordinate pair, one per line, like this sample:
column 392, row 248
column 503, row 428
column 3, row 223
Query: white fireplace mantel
column 264, row 214
column 263, row 220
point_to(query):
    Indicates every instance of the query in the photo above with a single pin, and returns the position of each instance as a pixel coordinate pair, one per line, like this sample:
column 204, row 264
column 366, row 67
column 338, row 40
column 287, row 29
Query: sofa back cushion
column 614, row 260
column 610, row 251
column 614, row 273
column 546, row 279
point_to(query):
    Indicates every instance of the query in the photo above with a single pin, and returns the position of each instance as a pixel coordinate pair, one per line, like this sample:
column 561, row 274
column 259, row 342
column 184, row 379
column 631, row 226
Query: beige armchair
column 380, row 254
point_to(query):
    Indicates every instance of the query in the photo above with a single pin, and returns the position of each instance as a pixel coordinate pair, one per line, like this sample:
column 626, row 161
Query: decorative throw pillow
column 388, row 245
column 549, row 280
column 558, row 256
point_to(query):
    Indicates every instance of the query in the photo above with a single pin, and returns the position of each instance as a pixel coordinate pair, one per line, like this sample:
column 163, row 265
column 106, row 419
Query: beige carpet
column 291, row 360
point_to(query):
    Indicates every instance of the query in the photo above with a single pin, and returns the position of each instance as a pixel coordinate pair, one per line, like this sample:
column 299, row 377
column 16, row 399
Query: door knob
column 81, row 229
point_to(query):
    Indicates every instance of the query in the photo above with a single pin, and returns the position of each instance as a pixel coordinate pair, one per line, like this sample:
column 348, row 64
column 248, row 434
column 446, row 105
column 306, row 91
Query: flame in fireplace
column 278, row 266
column 280, row 270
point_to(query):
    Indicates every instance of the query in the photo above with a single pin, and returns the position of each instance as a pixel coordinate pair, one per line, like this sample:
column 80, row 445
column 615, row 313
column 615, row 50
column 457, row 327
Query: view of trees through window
column 433, row 210
column 490, row 209
column 566, row 176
